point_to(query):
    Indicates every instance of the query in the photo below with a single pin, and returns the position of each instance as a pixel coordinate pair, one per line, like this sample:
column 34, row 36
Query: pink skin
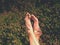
column 35, row 26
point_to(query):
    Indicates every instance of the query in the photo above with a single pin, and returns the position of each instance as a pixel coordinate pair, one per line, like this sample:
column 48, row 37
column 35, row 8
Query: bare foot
column 37, row 30
column 27, row 21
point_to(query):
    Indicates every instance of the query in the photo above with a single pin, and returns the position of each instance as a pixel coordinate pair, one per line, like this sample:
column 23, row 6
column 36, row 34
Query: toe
column 34, row 18
column 27, row 17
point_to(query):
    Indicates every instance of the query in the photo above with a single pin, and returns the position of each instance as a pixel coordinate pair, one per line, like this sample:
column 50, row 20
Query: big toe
column 28, row 16
column 34, row 18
